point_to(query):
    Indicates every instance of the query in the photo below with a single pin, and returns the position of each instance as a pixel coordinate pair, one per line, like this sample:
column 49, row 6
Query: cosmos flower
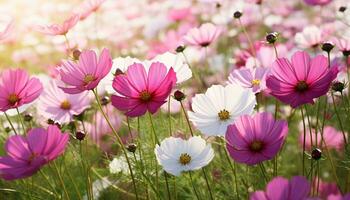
column 86, row 73
column 17, row 89
column 332, row 137
column 59, row 29
column 8, row 31
column 342, row 44
column 310, row 37
column 177, row 155
column 140, row 91
column 254, row 78
column 27, row 154
column 203, row 36
column 317, row 2
column 300, row 81
column 252, row 140
column 279, row 188
column 59, row 106
column 219, row 106
column 87, row 7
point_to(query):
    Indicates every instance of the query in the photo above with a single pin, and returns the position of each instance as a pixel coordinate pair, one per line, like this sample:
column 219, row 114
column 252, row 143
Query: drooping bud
column 237, row 14
column 327, row 47
column 80, row 135
column 316, row 154
column 179, row 96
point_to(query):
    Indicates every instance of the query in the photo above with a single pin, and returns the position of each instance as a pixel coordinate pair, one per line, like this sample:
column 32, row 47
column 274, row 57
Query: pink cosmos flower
column 325, row 189
column 87, row 7
column 179, row 13
column 17, row 88
column 331, row 136
column 342, row 44
column 87, row 73
column 252, row 140
column 202, row 36
column 317, row 2
column 59, row 106
column 100, row 132
column 279, row 188
column 250, row 78
column 26, row 155
column 300, row 81
column 140, row 91
column 59, row 29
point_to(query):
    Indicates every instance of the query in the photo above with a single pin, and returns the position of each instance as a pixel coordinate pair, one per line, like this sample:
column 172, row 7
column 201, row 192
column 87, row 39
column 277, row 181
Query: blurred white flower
column 118, row 165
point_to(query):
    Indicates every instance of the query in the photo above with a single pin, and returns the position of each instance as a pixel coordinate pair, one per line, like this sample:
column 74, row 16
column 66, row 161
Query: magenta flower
column 317, row 2
column 202, row 36
column 17, row 88
column 302, row 80
column 59, row 106
column 59, row 29
column 87, row 7
column 250, row 78
column 251, row 140
column 26, row 155
column 279, row 188
column 139, row 91
column 87, row 73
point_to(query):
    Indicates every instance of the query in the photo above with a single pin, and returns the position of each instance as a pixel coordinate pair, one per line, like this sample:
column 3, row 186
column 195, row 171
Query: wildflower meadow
column 175, row 99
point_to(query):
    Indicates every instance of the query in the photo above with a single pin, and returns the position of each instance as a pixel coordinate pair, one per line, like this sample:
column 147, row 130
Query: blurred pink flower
column 254, row 78
column 140, row 91
column 8, row 31
column 279, row 188
column 252, row 140
column 202, row 36
column 59, row 106
column 100, row 132
column 87, row 7
column 317, row 2
column 325, row 189
column 87, row 73
column 302, row 80
column 331, row 136
column 310, row 37
column 58, row 29
column 17, row 88
column 341, row 43
column 27, row 154
column 179, row 13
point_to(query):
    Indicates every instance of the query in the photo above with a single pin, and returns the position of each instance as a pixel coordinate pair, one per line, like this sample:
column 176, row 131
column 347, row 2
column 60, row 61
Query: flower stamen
column 224, row 115
column 185, row 159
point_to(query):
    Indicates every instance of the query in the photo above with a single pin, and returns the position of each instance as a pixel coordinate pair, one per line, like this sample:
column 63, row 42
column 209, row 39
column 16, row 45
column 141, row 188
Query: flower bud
column 76, row 54
column 180, row 49
column 179, row 96
column 342, row 9
column 316, row 154
column 237, row 14
column 327, row 47
column 50, row 121
column 105, row 100
column 80, row 135
column 346, row 53
column 118, row 72
column 28, row 117
column 338, row 86
column 8, row 129
column 131, row 148
column 271, row 37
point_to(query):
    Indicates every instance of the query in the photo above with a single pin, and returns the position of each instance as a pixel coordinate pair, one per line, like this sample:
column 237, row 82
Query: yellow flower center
column 65, row 105
column 256, row 146
column 88, row 79
column 185, row 159
column 255, row 82
column 145, row 96
column 13, row 99
column 224, row 115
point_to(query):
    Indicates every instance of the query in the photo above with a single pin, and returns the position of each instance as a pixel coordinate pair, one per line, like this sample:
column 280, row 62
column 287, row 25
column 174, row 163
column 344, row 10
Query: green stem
column 8, row 119
column 207, row 182
column 119, row 140
column 304, row 141
column 61, row 180
column 194, row 188
column 339, row 119
column 21, row 121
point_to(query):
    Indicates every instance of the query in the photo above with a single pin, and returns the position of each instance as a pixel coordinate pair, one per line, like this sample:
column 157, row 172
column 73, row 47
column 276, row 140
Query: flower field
column 175, row 99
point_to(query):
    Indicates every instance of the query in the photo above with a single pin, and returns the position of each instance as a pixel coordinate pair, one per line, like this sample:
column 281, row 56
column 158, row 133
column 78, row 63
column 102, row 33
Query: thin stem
column 194, row 188
column 262, row 169
column 304, row 141
column 169, row 116
column 233, row 169
column 8, row 119
column 249, row 40
column 339, row 119
column 119, row 140
column 61, row 180
column 48, row 181
column 187, row 120
column 21, row 121
column 274, row 47
column 207, row 182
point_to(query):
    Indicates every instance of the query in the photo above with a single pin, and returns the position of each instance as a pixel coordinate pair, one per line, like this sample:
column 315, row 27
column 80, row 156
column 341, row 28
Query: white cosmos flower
column 177, row 155
column 118, row 165
column 219, row 107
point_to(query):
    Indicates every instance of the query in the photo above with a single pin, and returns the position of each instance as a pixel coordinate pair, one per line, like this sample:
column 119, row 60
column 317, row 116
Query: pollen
column 256, row 146
column 185, row 159
column 301, row 86
column 88, row 79
column 145, row 96
column 224, row 115
column 256, row 82
column 65, row 105
column 13, row 99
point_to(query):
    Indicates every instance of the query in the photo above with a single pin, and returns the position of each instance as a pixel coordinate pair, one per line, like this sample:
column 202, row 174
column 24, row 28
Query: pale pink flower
column 203, row 36
column 59, row 29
